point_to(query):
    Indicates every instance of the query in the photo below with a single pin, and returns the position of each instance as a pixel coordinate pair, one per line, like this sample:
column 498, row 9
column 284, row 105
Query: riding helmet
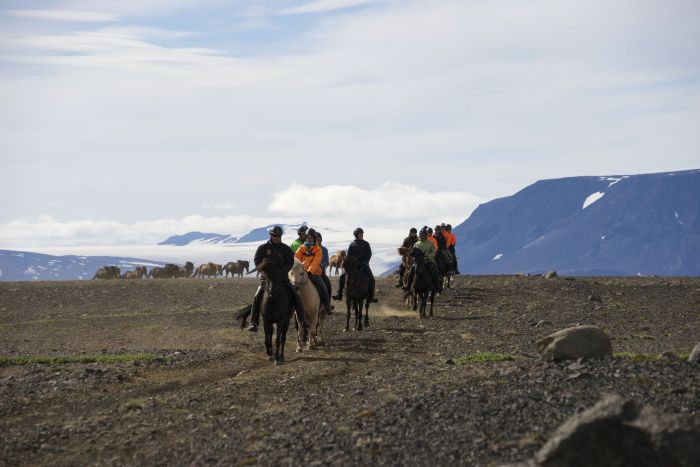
column 358, row 231
column 276, row 230
column 413, row 230
column 302, row 229
column 311, row 232
column 424, row 231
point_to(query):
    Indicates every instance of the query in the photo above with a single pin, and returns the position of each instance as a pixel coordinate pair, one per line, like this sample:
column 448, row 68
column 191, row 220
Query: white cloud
column 326, row 5
column 66, row 15
column 391, row 204
column 219, row 207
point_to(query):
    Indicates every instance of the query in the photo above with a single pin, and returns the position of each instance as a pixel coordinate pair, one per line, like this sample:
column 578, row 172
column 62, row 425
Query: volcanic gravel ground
column 389, row 394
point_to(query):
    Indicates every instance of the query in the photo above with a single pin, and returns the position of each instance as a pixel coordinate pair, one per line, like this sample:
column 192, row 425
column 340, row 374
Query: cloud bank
column 341, row 207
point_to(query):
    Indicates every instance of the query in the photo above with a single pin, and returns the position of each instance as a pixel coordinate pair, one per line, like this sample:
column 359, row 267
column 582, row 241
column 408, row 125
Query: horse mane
column 403, row 251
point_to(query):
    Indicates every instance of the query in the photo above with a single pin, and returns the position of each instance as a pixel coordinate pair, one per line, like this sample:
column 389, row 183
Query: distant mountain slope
column 24, row 266
column 262, row 234
column 200, row 237
column 615, row 225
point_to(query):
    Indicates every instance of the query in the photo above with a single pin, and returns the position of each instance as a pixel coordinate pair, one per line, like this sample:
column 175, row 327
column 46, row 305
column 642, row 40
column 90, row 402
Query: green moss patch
column 484, row 357
column 58, row 359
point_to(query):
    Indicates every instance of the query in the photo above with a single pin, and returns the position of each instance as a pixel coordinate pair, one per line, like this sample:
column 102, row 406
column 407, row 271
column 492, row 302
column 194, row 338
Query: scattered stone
column 542, row 323
column 694, row 357
column 670, row 357
column 594, row 298
column 575, row 342
column 551, row 275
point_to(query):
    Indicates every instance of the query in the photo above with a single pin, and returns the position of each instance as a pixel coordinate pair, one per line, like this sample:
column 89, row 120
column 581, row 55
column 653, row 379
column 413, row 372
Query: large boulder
column 617, row 432
column 599, row 436
column 551, row 275
column 574, row 343
column 694, row 356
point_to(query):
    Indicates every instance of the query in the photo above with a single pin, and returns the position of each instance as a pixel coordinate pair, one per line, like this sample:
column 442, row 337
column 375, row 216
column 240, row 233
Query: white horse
column 312, row 306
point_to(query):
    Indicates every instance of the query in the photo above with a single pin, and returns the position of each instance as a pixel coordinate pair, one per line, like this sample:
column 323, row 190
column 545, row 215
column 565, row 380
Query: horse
column 311, row 301
column 237, row 268
column 357, row 292
column 208, row 269
column 138, row 273
column 336, row 261
column 276, row 307
column 171, row 271
column 445, row 265
column 107, row 272
column 423, row 289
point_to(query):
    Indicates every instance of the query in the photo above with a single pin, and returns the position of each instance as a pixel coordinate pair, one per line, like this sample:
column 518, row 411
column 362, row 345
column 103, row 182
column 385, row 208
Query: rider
column 431, row 238
column 310, row 255
column 408, row 243
column 301, row 231
column 325, row 261
column 426, row 246
column 360, row 250
column 451, row 246
column 283, row 259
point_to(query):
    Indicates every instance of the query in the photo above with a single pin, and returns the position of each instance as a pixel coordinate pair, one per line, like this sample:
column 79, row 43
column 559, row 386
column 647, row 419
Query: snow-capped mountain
column 604, row 225
column 198, row 237
column 24, row 265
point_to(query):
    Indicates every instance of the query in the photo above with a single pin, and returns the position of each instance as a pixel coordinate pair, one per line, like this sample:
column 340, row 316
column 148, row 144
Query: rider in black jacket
column 283, row 258
column 360, row 250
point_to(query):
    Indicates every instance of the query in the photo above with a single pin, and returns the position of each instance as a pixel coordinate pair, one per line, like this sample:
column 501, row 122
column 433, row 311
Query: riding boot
column 255, row 319
column 341, row 286
column 298, row 306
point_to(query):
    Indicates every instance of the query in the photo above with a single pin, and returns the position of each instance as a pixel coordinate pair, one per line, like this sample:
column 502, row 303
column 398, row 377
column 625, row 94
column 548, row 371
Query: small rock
column 670, row 357
column 694, row 357
column 542, row 323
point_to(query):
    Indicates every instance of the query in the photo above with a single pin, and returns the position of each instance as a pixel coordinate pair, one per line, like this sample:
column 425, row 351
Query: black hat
column 311, row 232
column 358, row 231
column 318, row 235
column 302, row 229
column 413, row 230
column 424, row 231
column 277, row 231
column 449, row 227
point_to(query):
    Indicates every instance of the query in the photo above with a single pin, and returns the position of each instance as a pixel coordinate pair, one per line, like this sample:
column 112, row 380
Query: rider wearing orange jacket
column 310, row 255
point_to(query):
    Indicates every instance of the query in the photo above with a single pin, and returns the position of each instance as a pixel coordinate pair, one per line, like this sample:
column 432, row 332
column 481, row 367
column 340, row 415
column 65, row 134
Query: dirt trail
column 208, row 395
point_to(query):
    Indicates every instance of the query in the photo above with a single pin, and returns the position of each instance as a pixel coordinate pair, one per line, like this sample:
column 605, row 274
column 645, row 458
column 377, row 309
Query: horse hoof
column 279, row 362
column 346, row 329
column 298, row 350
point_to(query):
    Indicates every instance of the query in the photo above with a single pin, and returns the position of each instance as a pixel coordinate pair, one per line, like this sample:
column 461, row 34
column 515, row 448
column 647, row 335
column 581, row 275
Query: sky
column 128, row 121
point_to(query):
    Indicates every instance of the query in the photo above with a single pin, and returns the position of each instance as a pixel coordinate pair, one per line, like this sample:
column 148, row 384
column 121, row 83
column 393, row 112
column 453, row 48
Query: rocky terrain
column 157, row 372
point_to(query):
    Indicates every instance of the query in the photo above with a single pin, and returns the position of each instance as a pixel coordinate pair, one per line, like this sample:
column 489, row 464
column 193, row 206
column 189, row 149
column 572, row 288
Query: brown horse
column 208, row 269
column 276, row 307
column 336, row 261
column 237, row 268
column 107, row 272
column 138, row 273
column 171, row 271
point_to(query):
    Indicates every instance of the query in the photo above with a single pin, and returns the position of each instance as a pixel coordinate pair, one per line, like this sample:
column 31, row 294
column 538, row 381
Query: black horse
column 357, row 292
column 423, row 287
column 276, row 307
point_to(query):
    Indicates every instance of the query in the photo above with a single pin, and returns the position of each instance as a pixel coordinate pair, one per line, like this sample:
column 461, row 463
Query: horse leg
column 432, row 299
column 367, row 313
column 358, row 314
column 268, row 338
column 300, row 333
column 414, row 299
column 347, row 322
column 313, row 321
column 279, row 353
column 282, row 339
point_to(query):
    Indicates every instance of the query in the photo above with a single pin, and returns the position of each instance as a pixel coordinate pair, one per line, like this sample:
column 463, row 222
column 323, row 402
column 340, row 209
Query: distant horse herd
column 174, row 271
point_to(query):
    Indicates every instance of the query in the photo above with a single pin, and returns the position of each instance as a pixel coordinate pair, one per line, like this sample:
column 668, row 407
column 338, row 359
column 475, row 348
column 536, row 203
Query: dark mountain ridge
column 599, row 225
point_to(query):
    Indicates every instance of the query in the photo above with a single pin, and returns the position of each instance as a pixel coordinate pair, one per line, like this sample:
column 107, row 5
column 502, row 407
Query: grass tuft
column 484, row 357
column 640, row 357
column 48, row 360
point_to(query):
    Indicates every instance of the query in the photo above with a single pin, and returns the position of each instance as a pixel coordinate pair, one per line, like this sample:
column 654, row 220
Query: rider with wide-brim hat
column 282, row 258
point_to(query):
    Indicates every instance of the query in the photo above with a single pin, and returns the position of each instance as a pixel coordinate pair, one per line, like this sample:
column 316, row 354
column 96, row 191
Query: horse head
column 297, row 275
